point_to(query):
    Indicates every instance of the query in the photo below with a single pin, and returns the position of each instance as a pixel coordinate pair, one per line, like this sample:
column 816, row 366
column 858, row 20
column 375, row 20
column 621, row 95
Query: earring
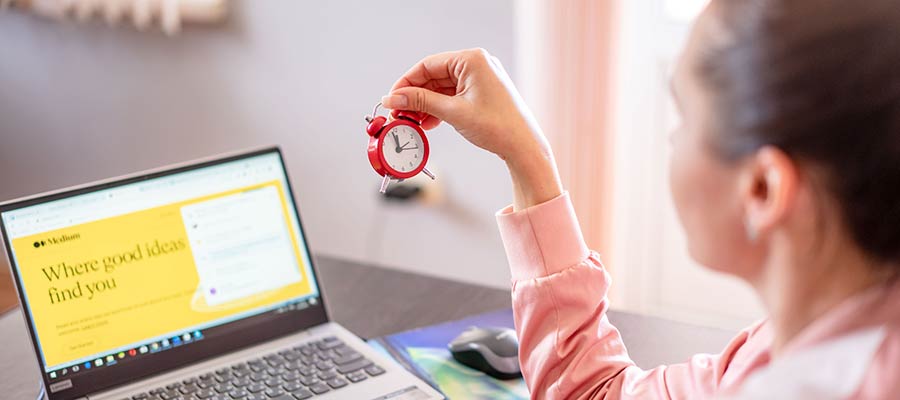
column 750, row 231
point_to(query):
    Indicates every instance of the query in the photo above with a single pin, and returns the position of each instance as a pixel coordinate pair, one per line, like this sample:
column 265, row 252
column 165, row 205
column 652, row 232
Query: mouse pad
column 424, row 352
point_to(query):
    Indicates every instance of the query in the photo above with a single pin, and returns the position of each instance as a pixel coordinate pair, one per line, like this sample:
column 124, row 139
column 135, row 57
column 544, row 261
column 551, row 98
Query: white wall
column 79, row 103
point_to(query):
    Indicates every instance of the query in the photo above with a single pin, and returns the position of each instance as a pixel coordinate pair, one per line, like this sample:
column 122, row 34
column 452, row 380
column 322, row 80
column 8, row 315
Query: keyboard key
column 141, row 396
column 223, row 388
column 256, row 388
column 309, row 380
column 357, row 376
column 258, row 376
column 344, row 350
column 169, row 394
column 319, row 388
column 274, row 392
column 204, row 394
column 258, row 367
column 241, row 382
column 358, row 364
column 274, row 359
column 337, row 383
column 302, row 394
column 157, row 391
column 323, row 365
column 223, row 371
column 374, row 370
column 293, row 366
column 347, row 358
column 256, row 396
column 238, row 393
column 273, row 382
column 186, row 389
column 292, row 386
column 284, row 396
column 326, row 375
column 330, row 345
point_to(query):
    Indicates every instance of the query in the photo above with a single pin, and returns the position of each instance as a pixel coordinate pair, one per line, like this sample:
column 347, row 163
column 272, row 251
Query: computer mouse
column 494, row 351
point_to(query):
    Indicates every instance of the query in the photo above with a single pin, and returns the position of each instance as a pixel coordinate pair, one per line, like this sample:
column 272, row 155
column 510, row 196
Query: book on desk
column 424, row 352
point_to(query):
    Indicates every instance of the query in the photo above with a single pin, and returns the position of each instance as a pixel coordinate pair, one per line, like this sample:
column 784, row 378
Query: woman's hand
column 471, row 91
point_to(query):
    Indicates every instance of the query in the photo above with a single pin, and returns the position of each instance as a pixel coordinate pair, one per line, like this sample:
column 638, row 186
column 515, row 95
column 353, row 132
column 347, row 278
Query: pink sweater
column 569, row 350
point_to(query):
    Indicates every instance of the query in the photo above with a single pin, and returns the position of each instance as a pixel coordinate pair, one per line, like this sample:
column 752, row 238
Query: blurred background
column 86, row 101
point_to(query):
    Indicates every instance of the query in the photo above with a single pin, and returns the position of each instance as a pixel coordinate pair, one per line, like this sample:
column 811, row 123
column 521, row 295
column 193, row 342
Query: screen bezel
column 228, row 337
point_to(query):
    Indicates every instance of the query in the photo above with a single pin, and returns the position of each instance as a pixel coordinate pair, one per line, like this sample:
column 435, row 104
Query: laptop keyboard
column 298, row 373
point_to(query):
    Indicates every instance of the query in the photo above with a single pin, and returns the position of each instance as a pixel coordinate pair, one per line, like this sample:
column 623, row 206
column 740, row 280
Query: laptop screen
column 126, row 272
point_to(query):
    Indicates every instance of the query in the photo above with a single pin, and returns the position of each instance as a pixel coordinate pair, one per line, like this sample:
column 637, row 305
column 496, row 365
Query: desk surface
column 372, row 301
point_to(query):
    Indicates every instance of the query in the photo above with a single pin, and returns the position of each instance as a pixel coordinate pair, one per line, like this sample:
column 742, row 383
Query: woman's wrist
column 534, row 175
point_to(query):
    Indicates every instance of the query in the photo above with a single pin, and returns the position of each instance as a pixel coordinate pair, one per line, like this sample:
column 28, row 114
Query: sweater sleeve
column 567, row 347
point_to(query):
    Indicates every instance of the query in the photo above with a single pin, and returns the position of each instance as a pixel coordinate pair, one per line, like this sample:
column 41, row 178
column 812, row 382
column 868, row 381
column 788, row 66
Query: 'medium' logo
column 56, row 240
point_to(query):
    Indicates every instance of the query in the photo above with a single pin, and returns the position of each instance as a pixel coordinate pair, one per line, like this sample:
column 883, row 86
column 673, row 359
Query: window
column 649, row 262
column 683, row 10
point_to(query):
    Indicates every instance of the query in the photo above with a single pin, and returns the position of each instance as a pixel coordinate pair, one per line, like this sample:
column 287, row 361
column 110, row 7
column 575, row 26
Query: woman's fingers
column 412, row 98
column 438, row 67
column 430, row 122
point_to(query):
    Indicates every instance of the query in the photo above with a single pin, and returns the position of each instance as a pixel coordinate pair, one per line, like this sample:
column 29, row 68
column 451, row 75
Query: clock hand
column 397, row 146
column 409, row 148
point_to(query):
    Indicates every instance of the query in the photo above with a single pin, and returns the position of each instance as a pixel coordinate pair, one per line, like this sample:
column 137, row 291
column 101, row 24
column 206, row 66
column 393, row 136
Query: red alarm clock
column 398, row 148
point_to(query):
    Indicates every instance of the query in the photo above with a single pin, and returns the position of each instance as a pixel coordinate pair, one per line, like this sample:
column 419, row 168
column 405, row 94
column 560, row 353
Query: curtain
column 564, row 64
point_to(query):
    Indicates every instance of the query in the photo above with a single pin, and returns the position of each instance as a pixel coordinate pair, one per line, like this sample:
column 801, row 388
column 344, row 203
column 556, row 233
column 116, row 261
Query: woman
column 785, row 173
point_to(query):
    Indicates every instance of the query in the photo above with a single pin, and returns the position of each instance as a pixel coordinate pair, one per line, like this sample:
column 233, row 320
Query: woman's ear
column 768, row 190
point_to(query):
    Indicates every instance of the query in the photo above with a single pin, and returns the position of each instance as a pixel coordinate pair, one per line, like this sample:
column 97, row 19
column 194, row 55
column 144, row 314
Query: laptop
column 189, row 282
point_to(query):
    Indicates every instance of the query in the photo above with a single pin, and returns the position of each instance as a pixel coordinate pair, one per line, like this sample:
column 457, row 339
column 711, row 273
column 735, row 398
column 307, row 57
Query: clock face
column 403, row 149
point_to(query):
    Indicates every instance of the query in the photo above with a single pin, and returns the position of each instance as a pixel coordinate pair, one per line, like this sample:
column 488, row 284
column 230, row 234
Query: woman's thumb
column 421, row 100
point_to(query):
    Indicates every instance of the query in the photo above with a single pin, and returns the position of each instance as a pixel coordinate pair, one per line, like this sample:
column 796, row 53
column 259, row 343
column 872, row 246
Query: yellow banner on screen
column 113, row 282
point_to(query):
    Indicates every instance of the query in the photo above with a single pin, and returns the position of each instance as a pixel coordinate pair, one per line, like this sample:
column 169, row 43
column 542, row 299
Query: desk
column 372, row 301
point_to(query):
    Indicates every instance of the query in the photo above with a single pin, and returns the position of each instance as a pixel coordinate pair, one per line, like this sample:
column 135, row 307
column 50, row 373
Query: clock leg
column 384, row 183
column 427, row 172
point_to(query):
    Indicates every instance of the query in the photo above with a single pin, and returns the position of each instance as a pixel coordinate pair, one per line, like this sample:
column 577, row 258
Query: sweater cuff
column 542, row 240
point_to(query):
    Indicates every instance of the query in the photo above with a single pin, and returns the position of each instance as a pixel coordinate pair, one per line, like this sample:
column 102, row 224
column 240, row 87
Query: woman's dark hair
column 820, row 80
